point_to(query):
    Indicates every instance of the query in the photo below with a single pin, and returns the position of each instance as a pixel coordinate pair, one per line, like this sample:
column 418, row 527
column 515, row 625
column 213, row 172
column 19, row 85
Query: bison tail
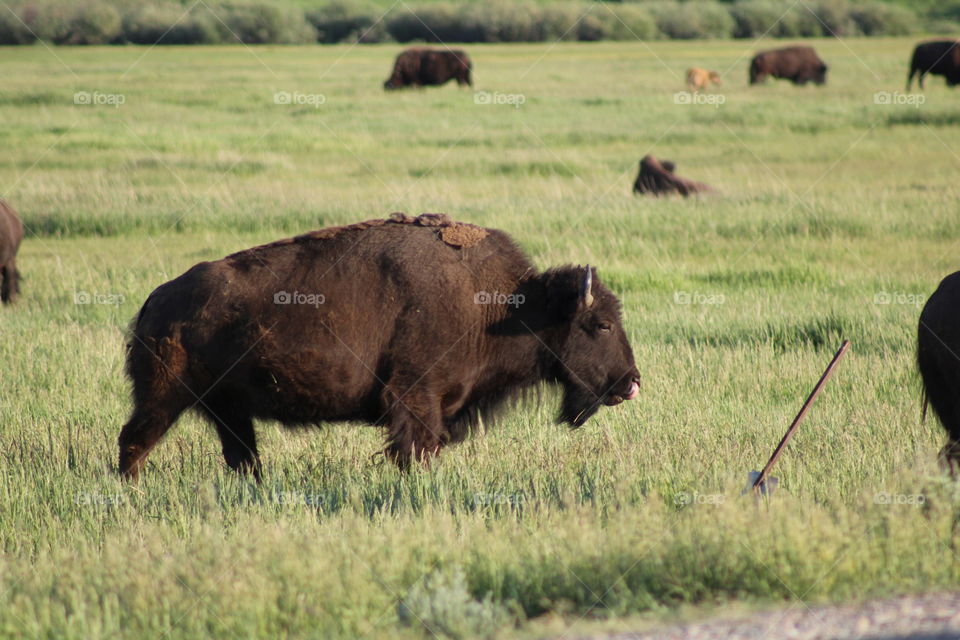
column 925, row 402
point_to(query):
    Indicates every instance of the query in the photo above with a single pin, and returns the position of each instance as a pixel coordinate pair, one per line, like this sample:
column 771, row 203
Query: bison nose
column 633, row 391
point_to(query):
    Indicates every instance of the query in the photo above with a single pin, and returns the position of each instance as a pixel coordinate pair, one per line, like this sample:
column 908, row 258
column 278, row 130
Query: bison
column 657, row 178
column 939, row 57
column 429, row 67
column 938, row 358
column 799, row 65
column 698, row 79
column 11, row 234
column 421, row 325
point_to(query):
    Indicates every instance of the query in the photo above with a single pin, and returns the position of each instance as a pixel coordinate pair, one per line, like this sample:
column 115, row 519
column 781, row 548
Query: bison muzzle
column 423, row 326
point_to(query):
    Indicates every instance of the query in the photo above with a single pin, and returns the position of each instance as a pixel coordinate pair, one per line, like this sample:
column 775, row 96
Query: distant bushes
column 261, row 22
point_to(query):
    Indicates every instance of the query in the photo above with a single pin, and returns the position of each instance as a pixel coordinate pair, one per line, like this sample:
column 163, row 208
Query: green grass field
column 835, row 217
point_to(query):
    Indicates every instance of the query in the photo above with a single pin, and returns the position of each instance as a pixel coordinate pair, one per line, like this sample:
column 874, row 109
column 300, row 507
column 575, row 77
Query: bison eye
column 605, row 327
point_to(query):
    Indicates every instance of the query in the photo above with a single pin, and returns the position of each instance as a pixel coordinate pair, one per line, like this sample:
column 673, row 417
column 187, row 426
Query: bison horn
column 586, row 288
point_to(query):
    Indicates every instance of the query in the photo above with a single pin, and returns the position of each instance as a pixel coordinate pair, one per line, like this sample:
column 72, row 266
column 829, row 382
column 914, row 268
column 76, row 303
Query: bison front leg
column 415, row 428
column 9, row 285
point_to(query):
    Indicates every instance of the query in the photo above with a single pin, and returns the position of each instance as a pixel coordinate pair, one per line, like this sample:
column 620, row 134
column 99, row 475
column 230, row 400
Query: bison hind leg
column 235, row 429
column 949, row 458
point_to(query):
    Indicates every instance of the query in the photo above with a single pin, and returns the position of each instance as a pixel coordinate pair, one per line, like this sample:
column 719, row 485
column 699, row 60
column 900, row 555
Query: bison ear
column 586, row 289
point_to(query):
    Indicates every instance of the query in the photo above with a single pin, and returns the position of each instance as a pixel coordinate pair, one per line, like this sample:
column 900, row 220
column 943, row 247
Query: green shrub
column 13, row 30
column 503, row 21
column 882, row 19
column 262, row 24
column 691, row 20
column 93, row 23
column 623, row 22
column 343, row 21
column 443, row 606
column 169, row 24
column 834, row 16
column 433, row 23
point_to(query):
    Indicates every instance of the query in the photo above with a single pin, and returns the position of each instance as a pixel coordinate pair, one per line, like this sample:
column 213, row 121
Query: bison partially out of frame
column 938, row 57
column 429, row 67
column 656, row 178
column 11, row 234
column 938, row 358
column 799, row 65
column 420, row 325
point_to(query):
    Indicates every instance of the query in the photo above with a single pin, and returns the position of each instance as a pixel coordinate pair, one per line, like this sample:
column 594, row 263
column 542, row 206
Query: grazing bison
column 698, row 79
column 938, row 358
column 799, row 65
column 421, row 325
column 657, row 178
column 939, row 57
column 429, row 67
column 11, row 234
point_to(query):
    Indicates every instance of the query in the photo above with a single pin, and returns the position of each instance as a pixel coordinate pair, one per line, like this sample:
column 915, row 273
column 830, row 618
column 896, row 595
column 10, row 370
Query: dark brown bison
column 11, row 234
column 421, row 325
column 938, row 358
column 939, row 57
column 799, row 65
column 429, row 67
column 657, row 178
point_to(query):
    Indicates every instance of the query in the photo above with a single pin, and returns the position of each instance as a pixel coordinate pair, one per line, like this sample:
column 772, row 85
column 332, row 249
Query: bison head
column 820, row 75
column 593, row 360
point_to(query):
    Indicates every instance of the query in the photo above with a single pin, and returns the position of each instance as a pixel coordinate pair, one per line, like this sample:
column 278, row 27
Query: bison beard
column 429, row 67
column 657, row 178
column 938, row 343
column 421, row 325
column 11, row 234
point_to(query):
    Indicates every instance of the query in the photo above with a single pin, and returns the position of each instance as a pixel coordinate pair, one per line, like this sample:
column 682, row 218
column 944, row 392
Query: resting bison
column 429, row 67
column 938, row 357
column 799, row 65
column 939, row 57
column 11, row 234
column 698, row 79
column 657, row 178
column 421, row 325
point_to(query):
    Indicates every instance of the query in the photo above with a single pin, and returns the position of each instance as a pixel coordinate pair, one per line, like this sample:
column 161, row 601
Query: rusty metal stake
column 758, row 484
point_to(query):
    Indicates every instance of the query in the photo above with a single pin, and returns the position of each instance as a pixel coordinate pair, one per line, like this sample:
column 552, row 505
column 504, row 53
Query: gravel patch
column 927, row 617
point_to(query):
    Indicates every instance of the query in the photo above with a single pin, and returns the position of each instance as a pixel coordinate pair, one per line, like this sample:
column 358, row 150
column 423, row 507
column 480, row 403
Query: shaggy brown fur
column 938, row 57
column 421, row 325
column 11, row 234
column 938, row 358
column 799, row 65
column 429, row 67
column 657, row 178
